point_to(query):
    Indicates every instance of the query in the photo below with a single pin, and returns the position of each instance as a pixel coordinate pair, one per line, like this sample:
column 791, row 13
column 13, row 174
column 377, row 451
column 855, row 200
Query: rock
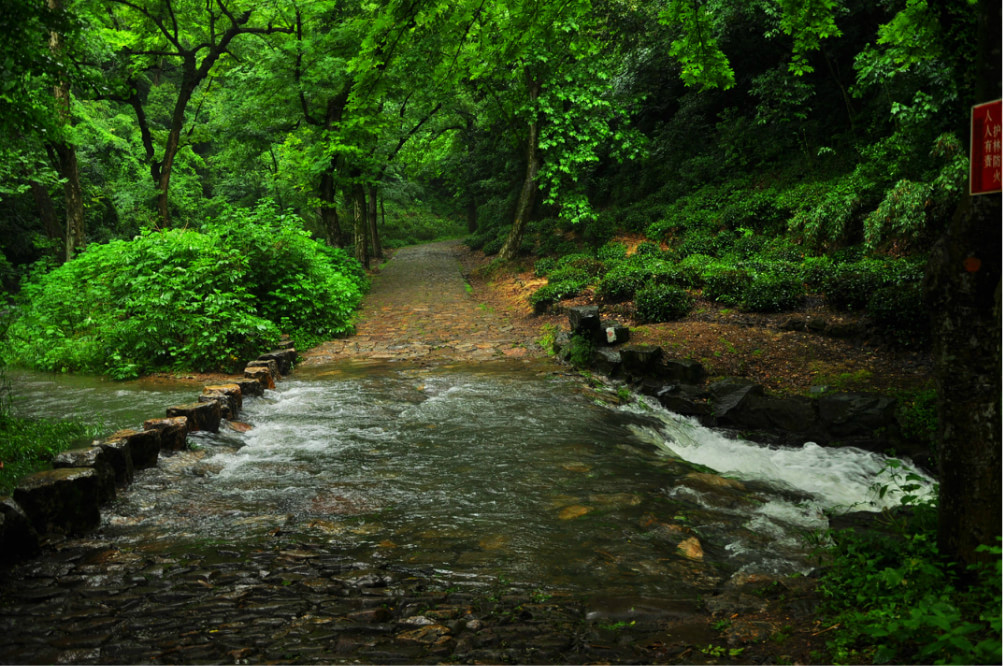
column 848, row 329
column 850, row 415
column 200, row 415
column 18, row 537
column 683, row 399
column 60, row 500
column 584, row 321
column 640, row 360
column 606, row 361
column 231, row 392
column 715, row 481
column 173, row 432
column 683, row 371
column 224, row 404
column 690, row 549
column 262, row 374
column 572, row 512
column 614, row 333
column 95, row 458
column 793, row 415
column 283, row 357
column 119, row 456
column 728, row 396
column 794, row 323
column 250, row 387
column 271, row 364
column 144, row 446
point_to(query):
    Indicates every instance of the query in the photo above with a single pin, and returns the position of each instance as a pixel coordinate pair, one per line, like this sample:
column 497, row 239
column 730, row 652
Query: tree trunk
column 46, row 211
column 359, row 215
column 471, row 214
column 188, row 84
column 963, row 292
column 527, row 196
column 374, row 232
column 66, row 155
column 329, row 208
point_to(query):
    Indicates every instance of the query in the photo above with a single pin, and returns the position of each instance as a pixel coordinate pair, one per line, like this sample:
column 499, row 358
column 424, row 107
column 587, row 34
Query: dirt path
column 421, row 309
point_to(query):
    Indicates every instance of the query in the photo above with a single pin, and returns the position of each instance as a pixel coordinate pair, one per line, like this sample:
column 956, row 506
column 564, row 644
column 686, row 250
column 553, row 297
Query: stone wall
column 736, row 405
column 66, row 499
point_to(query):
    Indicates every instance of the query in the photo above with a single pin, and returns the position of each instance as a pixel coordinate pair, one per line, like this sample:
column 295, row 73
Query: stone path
column 420, row 309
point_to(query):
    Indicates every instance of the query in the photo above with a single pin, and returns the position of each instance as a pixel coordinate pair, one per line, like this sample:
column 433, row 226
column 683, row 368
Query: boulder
column 119, row 456
column 63, row 500
column 683, row 371
column 606, row 361
column 728, row 396
column 584, row 321
column 200, row 415
column 221, row 400
column 144, row 446
column 271, row 364
column 173, row 432
column 614, row 333
column 18, row 537
column 261, row 374
column 95, row 458
column 250, row 387
column 231, row 392
column 855, row 415
column 284, row 358
column 683, row 399
column 640, row 360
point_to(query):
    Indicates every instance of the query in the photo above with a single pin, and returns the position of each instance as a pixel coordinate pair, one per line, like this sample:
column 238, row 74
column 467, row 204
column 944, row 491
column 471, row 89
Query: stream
column 474, row 479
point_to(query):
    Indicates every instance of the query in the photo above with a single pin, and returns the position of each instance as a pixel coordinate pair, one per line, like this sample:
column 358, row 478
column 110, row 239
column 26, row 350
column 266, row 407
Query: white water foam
column 839, row 479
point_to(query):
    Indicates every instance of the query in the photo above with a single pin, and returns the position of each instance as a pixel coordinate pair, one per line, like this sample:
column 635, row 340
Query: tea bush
column 772, row 292
column 622, row 282
column 899, row 315
column 662, row 302
column 186, row 300
column 726, row 284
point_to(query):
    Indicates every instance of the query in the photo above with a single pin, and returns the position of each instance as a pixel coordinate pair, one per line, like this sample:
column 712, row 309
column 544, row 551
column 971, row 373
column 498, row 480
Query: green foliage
column 662, row 302
column 184, row 299
column 851, row 285
column 896, row 601
column 726, row 284
column 899, row 315
column 622, row 282
column 917, row 417
column 29, row 445
column 579, row 351
column 772, row 292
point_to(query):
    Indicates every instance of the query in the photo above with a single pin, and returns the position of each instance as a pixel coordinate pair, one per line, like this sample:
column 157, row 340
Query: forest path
column 421, row 309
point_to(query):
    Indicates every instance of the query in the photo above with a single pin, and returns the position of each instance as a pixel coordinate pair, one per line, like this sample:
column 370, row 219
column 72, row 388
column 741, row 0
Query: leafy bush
column 771, row 292
column 647, row 249
column 584, row 262
column 612, row 251
column 182, row 299
column 662, row 302
column 817, row 272
column 622, row 282
column 544, row 266
column 895, row 600
column 899, row 315
column 554, row 292
column 726, row 284
column 704, row 242
column 29, row 445
column 851, row 285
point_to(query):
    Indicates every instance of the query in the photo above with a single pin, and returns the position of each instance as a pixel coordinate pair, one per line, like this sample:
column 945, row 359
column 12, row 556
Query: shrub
column 187, row 300
column 770, row 292
column 726, row 284
column 850, row 285
column 544, row 266
column 817, row 272
column 612, row 251
column 899, row 315
column 554, row 292
column 583, row 262
column 622, row 282
column 647, row 249
column 703, row 242
column 662, row 302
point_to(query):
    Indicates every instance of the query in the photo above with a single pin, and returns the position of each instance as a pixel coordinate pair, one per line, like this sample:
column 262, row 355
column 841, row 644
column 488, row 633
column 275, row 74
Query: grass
column 29, row 445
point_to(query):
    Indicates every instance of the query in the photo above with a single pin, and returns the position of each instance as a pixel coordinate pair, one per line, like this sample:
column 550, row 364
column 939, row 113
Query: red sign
column 986, row 153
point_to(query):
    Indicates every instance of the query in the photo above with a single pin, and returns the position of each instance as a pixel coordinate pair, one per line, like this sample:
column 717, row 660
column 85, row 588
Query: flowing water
column 477, row 474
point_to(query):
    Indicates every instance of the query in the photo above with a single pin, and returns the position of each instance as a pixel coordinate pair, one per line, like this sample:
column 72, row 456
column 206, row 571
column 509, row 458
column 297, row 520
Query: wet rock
column 173, row 432
column 271, row 364
column 683, row 371
column 584, row 321
column 250, row 387
column 691, row 549
column 95, row 458
column 855, row 415
column 284, row 358
column 641, row 360
column 606, row 361
column 144, row 446
column 261, row 374
column 63, row 500
column 200, row 415
column 572, row 512
column 232, row 394
column 119, row 456
column 225, row 413
column 681, row 398
column 714, row 481
column 18, row 537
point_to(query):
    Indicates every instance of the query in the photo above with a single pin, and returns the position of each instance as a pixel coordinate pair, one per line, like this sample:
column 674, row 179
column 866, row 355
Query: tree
column 182, row 40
